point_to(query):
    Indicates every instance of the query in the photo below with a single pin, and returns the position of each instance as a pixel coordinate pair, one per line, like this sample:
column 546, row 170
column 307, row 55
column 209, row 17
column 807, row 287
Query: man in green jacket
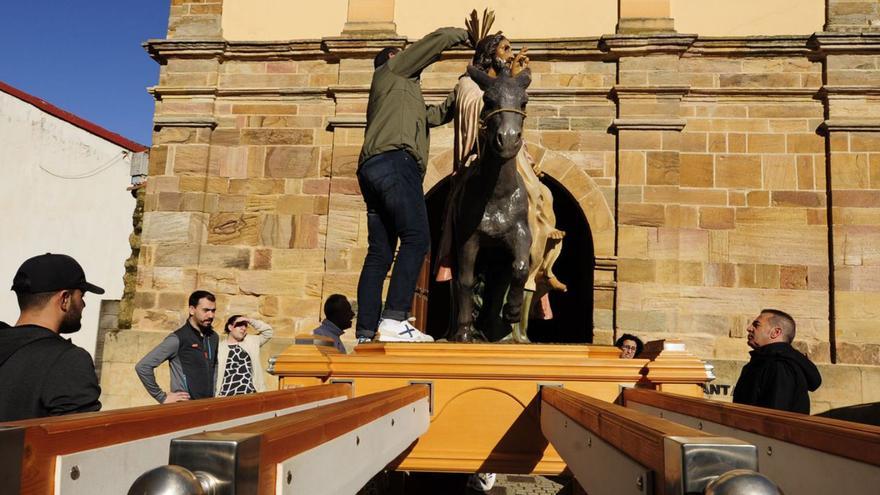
column 391, row 169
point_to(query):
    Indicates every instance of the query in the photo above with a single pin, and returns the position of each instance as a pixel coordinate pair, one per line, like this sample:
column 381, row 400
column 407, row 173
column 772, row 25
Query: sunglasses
column 240, row 324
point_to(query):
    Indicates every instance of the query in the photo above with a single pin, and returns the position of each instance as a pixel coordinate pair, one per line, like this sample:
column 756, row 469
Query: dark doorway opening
column 572, row 320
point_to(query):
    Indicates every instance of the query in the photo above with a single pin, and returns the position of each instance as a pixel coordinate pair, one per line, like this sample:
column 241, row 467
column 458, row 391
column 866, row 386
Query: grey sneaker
column 364, row 340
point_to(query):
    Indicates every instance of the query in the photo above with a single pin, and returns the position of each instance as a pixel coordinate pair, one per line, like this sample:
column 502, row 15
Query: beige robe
column 542, row 220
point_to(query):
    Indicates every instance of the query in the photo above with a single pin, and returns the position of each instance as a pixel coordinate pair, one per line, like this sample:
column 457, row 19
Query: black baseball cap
column 51, row 272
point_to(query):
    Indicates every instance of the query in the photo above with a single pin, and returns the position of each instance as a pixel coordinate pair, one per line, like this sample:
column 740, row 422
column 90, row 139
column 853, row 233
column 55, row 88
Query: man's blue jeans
column 391, row 184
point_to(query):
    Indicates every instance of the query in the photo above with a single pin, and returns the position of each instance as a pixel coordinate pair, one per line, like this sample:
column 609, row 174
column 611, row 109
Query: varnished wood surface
column 846, row 439
column 636, row 434
column 286, row 436
column 46, row 438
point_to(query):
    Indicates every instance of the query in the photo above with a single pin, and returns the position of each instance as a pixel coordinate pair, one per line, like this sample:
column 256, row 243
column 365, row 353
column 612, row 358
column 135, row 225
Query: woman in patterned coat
column 238, row 359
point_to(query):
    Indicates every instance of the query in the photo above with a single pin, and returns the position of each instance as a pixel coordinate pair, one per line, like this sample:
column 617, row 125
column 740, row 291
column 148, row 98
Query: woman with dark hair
column 238, row 358
column 630, row 346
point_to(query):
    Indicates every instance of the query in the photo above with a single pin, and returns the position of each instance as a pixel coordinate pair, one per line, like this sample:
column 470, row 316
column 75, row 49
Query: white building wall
column 62, row 190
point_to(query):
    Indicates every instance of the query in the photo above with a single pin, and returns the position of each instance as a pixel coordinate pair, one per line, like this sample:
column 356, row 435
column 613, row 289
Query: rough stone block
column 274, row 282
column 662, row 167
column 798, row 198
column 850, row 171
column 234, row 228
column 804, row 143
column 717, row 218
column 635, row 270
column 738, row 171
column 174, row 227
column 697, row 170
column 758, row 198
column 736, row 143
column 647, row 215
column 292, row 161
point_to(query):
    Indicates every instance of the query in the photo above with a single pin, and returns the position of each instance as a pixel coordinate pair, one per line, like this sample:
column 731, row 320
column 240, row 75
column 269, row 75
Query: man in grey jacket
column 191, row 352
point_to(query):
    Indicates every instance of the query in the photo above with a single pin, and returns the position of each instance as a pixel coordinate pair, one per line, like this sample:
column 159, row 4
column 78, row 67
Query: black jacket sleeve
column 72, row 385
column 776, row 387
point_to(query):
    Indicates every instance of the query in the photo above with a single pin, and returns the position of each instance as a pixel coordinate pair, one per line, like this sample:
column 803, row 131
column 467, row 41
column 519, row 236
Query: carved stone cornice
column 850, row 125
column 586, row 48
column 752, row 46
column 837, row 43
column 347, row 121
column 848, row 91
column 630, row 45
column 761, row 94
column 361, row 44
column 271, row 50
column 648, row 124
column 160, row 49
column 162, row 92
column 184, row 121
column 539, row 94
column 607, row 47
column 648, row 91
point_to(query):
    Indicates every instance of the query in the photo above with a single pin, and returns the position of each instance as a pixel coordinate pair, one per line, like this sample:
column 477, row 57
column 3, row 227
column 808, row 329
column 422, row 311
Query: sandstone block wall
column 718, row 176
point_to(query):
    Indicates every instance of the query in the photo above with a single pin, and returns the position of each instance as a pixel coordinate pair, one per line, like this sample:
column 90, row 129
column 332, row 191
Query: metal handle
column 174, row 480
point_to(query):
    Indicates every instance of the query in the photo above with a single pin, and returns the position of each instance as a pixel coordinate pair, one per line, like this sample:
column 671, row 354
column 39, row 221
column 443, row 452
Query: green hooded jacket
column 397, row 117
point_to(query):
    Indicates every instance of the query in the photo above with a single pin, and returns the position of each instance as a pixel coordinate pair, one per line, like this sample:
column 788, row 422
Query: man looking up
column 191, row 352
column 777, row 376
column 41, row 373
column 390, row 172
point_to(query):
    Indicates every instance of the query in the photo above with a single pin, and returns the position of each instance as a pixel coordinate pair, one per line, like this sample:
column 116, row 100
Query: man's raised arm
column 426, row 51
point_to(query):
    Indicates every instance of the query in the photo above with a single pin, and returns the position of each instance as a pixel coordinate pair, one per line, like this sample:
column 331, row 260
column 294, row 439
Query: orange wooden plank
column 843, row 438
column 46, row 438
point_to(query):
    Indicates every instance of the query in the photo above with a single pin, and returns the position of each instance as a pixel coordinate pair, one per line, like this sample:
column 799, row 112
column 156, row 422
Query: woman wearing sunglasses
column 238, row 360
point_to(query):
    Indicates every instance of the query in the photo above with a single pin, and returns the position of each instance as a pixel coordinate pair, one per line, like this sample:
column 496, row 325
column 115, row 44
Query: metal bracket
column 349, row 381
column 232, row 459
column 692, row 463
column 430, row 385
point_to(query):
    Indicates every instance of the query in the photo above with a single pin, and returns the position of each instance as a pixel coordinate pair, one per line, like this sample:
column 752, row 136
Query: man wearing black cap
column 41, row 373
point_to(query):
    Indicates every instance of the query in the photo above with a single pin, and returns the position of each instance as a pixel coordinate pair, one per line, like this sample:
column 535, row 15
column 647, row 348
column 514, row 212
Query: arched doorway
column 572, row 310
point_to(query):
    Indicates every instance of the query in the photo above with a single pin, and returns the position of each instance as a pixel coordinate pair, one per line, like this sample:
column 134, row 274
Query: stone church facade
column 709, row 176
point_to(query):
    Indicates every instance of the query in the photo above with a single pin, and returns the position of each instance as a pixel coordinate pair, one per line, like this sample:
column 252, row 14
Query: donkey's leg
column 464, row 287
column 519, row 246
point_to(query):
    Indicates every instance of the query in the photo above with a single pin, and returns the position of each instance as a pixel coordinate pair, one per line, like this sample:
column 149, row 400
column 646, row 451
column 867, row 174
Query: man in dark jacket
column 390, row 172
column 41, row 373
column 191, row 352
column 777, row 376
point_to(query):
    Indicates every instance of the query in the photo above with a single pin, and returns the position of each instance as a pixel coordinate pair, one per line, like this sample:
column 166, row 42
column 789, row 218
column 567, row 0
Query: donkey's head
column 504, row 109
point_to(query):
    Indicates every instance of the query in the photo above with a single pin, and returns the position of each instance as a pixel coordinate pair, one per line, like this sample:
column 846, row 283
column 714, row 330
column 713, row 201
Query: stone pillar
column 370, row 17
column 195, row 19
column 651, row 223
column 645, row 16
column 852, row 75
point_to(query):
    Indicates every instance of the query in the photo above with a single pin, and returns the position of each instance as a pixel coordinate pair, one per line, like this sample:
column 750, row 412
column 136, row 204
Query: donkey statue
column 491, row 207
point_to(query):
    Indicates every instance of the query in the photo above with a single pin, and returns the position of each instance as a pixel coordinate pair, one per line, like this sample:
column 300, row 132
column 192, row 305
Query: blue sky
column 86, row 57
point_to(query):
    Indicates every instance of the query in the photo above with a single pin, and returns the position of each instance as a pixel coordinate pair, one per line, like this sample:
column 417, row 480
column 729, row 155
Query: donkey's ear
column 482, row 79
column 524, row 78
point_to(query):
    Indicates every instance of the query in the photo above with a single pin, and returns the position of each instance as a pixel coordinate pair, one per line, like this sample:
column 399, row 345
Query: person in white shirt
column 238, row 358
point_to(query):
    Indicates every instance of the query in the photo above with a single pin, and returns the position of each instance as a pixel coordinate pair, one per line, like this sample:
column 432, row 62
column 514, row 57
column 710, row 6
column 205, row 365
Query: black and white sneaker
column 401, row 331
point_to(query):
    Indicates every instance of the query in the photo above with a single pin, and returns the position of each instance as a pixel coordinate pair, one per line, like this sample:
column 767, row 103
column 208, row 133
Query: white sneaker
column 400, row 331
column 481, row 482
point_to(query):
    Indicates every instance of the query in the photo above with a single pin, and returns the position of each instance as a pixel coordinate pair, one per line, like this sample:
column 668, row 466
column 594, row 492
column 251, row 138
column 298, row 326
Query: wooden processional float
column 339, row 420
